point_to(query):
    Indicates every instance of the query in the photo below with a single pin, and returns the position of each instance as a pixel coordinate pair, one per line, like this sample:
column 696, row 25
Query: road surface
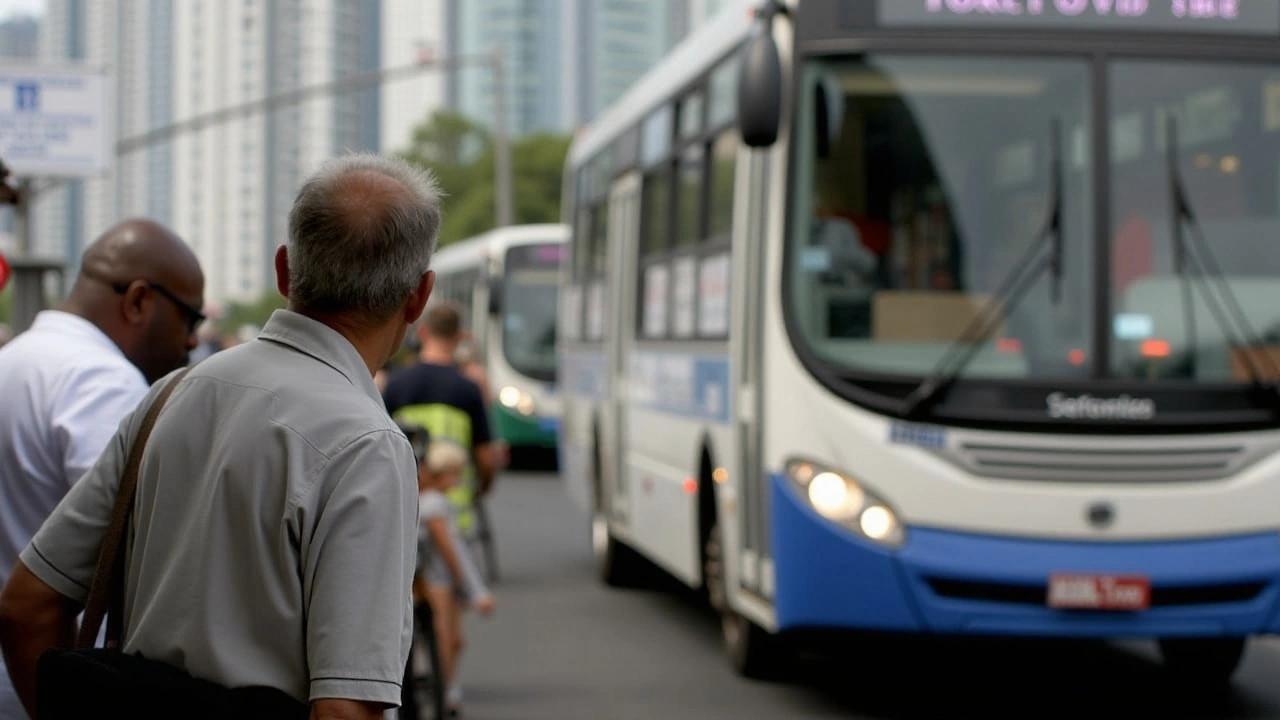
column 562, row 646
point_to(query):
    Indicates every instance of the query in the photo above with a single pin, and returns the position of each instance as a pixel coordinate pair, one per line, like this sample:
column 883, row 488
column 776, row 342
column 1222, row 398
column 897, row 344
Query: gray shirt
column 274, row 532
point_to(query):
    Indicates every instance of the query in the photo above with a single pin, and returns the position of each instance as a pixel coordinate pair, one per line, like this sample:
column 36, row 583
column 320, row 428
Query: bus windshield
column 530, row 288
column 923, row 181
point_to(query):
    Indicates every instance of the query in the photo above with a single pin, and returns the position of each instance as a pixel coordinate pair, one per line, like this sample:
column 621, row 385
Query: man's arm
column 482, row 451
column 357, row 563
column 33, row 618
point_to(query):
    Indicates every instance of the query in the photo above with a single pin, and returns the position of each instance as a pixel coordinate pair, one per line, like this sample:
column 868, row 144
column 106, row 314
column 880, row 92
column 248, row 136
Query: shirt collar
column 323, row 343
column 63, row 322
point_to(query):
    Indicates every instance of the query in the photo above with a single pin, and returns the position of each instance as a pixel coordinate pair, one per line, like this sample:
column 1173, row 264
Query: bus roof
column 472, row 251
column 690, row 59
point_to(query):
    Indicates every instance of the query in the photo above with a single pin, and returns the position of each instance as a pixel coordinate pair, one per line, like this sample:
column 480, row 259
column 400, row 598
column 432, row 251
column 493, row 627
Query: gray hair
column 365, row 264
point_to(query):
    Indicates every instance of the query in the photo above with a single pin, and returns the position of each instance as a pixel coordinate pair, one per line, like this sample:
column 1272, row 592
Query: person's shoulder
column 433, row 503
column 408, row 375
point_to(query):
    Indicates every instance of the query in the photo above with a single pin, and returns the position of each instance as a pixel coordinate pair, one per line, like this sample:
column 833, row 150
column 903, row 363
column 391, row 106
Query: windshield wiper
column 1225, row 306
column 1044, row 254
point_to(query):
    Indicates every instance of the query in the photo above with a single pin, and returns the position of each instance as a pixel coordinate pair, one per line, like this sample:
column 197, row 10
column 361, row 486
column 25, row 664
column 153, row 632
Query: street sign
column 54, row 121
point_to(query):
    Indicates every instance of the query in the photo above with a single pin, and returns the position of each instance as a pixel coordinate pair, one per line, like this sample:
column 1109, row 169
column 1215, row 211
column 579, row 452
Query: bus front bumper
column 525, row 430
column 960, row 583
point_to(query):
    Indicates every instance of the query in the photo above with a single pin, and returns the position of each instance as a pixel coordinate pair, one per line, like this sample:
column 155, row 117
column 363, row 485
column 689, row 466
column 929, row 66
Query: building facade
column 226, row 187
column 412, row 31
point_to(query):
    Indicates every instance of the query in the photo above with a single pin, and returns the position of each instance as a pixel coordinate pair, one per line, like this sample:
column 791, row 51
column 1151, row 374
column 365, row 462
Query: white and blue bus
column 506, row 283
column 940, row 316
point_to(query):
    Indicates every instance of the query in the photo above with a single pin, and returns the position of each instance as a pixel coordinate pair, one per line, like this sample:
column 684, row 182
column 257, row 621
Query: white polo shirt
column 275, row 532
column 64, row 387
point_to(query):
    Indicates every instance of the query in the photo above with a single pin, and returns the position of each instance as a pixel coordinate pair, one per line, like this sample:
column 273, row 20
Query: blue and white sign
column 53, row 121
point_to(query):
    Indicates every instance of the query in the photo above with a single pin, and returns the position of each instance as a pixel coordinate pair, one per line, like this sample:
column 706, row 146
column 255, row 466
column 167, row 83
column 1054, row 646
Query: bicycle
column 423, row 687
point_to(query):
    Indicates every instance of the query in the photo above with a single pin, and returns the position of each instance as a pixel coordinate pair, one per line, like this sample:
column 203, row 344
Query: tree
column 254, row 313
column 461, row 154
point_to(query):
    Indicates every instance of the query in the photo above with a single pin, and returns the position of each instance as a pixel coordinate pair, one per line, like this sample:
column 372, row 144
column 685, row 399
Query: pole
column 503, row 182
column 29, row 272
column 22, row 218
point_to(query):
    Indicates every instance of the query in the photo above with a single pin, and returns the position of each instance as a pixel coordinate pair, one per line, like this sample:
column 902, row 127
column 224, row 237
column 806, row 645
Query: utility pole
column 503, row 181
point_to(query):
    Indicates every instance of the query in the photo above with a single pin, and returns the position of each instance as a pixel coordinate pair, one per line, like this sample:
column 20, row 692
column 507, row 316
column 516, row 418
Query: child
column 447, row 576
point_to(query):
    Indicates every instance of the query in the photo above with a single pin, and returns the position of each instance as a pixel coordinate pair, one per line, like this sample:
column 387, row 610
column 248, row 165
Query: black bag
column 90, row 683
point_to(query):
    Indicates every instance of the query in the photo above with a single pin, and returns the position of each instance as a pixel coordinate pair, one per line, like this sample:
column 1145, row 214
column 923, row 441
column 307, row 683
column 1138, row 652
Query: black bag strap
column 106, row 592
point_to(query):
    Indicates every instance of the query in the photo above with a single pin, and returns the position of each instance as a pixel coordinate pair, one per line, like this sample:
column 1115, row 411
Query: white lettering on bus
column 1207, row 9
column 1087, row 407
column 1229, row 9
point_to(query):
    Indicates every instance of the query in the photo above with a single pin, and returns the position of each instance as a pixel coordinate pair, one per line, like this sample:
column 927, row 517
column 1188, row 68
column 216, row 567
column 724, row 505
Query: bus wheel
column 616, row 563
column 1202, row 663
column 752, row 650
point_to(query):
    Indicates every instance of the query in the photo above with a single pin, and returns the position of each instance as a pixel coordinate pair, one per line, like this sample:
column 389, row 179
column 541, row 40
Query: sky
column 25, row 7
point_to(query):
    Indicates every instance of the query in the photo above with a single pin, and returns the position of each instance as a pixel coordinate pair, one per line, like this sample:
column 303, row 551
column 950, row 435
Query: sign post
column 53, row 124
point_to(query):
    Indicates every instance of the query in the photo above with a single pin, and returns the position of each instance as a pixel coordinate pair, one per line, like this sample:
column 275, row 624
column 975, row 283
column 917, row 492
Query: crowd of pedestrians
column 282, row 511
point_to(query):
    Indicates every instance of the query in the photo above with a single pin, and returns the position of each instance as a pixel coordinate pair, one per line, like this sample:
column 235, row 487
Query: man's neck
column 436, row 354
column 371, row 344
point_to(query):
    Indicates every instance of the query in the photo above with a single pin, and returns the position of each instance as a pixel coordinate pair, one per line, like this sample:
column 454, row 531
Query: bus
column 506, row 282
column 939, row 317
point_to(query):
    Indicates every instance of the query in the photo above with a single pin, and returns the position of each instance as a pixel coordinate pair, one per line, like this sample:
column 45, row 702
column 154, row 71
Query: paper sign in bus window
column 713, row 291
column 1134, row 326
column 686, row 298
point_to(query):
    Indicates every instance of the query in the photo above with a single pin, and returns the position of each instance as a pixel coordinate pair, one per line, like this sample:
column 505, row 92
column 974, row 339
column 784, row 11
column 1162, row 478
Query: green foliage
column 6, row 306
column 461, row 154
column 255, row 312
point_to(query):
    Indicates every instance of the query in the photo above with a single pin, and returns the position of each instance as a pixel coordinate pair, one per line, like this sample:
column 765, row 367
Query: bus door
column 750, row 240
column 623, row 242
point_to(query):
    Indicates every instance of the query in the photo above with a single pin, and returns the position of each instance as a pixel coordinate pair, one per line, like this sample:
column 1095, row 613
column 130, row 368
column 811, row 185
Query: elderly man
column 274, row 531
column 69, row 380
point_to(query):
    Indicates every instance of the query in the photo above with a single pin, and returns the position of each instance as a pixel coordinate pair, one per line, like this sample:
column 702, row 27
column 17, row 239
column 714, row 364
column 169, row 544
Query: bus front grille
column 1104, row 463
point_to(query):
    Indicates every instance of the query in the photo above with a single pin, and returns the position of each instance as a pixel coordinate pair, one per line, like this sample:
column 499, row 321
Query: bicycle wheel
column 424, row 686
column 488, row 545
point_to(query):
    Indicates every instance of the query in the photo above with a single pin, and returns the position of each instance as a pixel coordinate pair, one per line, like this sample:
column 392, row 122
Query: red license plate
column 1099, row 592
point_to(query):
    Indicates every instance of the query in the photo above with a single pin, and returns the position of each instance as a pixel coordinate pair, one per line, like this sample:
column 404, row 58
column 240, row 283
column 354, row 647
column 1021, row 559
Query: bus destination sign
column 1246, row 17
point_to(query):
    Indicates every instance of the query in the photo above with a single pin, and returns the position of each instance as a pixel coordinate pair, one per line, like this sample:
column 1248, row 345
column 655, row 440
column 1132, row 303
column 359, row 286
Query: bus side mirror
column 495, row 296
column 760, row 89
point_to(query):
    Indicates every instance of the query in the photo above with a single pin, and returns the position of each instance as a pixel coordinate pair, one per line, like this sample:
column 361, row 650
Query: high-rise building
column 18, row 42
column 529, row 34
column 412, row 31
column 227, row 187
column 566, row 60
column 617, row 42
column 18, row 38
column 111, row 33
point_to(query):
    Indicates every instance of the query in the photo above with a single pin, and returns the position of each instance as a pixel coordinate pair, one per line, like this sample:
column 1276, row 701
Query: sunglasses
column 194, row 316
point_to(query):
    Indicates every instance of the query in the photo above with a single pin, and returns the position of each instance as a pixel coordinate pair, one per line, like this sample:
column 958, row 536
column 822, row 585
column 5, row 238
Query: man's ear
column 282, row 271
column 136, row 303
column 418, row 301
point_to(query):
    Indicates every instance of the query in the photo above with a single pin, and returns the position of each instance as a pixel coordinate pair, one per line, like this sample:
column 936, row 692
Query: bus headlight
column 842, row 499
column 516, row 399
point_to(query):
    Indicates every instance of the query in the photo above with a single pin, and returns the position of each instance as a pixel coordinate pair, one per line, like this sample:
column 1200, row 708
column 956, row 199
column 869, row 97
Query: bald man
column 276, row 500
column 67, row 382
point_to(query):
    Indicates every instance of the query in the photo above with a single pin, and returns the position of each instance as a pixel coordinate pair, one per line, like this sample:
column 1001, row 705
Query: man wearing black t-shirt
column 436, row 396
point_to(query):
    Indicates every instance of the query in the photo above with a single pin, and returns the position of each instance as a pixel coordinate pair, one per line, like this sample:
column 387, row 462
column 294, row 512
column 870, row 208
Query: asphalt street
column 563, row 646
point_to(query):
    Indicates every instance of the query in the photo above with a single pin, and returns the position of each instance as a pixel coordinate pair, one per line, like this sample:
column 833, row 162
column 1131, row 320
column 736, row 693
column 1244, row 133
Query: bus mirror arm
column 760, row 82
column 495, row 296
